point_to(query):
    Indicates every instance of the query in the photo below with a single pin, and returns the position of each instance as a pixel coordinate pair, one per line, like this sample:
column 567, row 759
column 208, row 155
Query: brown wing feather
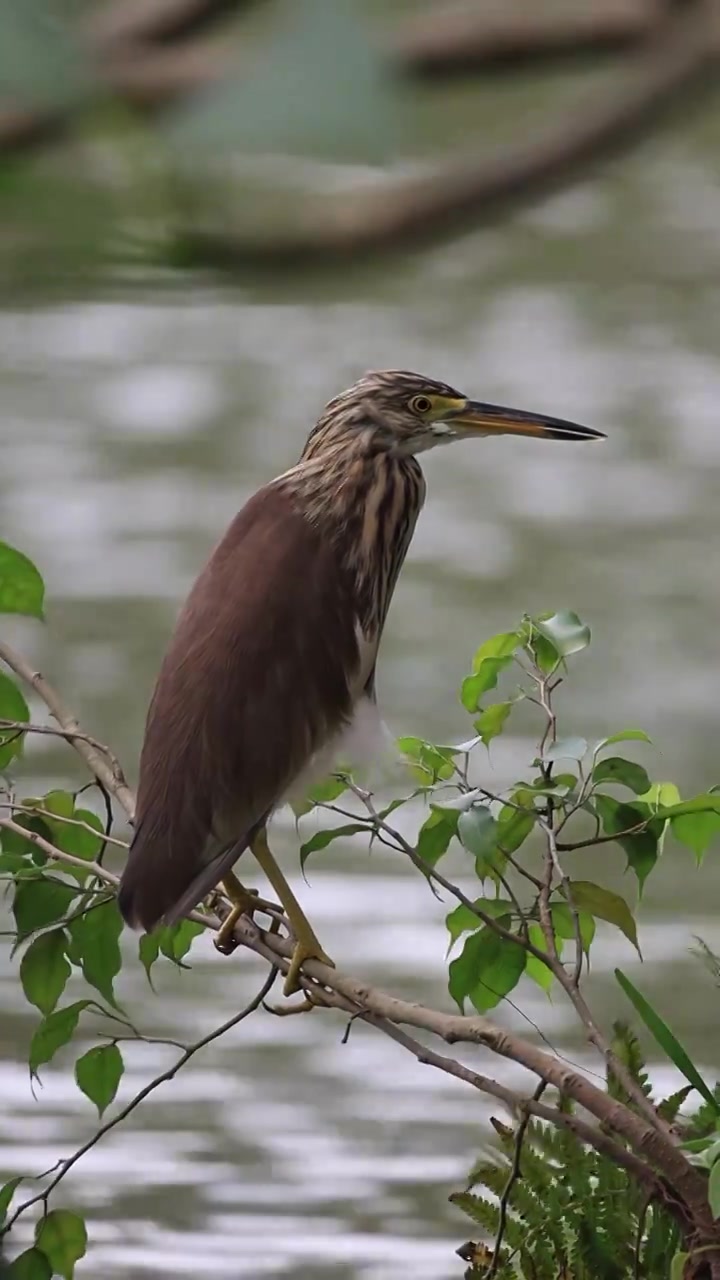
column 255, row 680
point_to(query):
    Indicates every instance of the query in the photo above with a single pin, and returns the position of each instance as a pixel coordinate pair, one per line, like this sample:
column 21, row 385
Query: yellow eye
column 420, row 404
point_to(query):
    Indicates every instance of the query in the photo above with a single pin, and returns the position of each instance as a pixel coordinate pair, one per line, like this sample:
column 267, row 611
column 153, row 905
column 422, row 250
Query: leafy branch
column 516, row 926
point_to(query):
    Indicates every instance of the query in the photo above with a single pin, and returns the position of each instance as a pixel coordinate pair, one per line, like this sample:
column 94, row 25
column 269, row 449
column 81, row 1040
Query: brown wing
column 255, row 680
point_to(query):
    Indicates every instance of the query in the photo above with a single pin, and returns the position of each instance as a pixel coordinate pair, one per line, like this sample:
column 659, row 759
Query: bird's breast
column 364, row 746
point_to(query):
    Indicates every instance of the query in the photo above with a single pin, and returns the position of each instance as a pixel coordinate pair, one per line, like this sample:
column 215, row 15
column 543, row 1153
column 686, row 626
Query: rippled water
column 132, row 428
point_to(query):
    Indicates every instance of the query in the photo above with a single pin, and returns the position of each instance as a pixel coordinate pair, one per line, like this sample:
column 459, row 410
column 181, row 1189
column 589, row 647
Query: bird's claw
column 246, row 904
column 305, row 949
column 306, row 1005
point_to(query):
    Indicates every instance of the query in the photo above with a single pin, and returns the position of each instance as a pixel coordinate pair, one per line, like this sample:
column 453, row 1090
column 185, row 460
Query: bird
column 273, row 656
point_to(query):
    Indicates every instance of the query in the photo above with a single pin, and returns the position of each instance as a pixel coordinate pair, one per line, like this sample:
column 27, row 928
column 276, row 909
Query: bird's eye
column 420, row 404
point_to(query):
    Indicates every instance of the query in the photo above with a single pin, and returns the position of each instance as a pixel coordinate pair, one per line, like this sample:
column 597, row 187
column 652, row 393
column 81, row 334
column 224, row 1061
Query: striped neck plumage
column 366, row 500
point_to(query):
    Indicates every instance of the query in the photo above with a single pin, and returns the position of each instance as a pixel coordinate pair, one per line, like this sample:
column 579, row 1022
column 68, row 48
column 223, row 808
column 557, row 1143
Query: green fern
column 571, row 1213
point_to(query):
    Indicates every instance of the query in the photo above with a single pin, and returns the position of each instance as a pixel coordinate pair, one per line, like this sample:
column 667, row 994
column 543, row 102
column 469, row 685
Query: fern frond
column 626, row 1047
column 670, row 1106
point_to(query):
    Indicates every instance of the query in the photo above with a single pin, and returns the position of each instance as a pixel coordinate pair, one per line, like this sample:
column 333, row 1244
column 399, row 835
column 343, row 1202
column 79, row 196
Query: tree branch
column 99, row 759
column 650, row 1149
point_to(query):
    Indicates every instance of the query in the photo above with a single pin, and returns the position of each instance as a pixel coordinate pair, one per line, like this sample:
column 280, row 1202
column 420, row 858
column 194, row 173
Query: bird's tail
column 154, row 891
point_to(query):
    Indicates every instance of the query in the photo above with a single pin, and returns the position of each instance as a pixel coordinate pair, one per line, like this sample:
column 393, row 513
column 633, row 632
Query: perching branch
column 634, row 1141
column 644, row 1139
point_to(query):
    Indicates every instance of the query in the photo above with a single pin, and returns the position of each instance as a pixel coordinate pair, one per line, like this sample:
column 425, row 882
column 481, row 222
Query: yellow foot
column 245, row 902
column 305, row 949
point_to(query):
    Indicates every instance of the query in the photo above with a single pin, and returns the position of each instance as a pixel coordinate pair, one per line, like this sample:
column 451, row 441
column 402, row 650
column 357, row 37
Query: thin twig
column 570, row 984
column 513, row 1176
column 59, row 855
column 519, row 1105
column 98, row 758
column 36, row 812
column 555, row 863
column 66, row 1165
column 567, row 847
column 431, row 873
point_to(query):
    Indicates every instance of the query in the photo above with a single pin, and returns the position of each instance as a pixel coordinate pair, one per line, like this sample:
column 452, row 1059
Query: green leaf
column 95, row 936
column 487, row 969
column 430, row 762
column 44, row 970
column 54, row 1032
column 666, row 1040
column 21, row 586
column 661, row 795
column 435, row 835
column 98, row 1074
column 534, row 968
column 709, row 803
column 625, row 735
column 503, row 645
column 61, row 803
column 696, row 830
column 605, row 905
column 177, row 939
column 148, row 951
column 40, row 902
column 560, row 785
column 567, row 749
column 322, row 839
column 514, row 826
column 486, row 677
column 642, row 847
column 78, row 840
column 463, row 920
column 545, row 654
column 63, row 1239
column 30, row 1265
column 323, row 793
column 714, row 1189
column 477, row 830
column 564, row 925
column 6, row 1194
column 566, row 633
column 491, row 721
column 624, row 772
column 12, row 842
column 459, row 804
column 13, row 862
column 12, row 707
column 677, row 1266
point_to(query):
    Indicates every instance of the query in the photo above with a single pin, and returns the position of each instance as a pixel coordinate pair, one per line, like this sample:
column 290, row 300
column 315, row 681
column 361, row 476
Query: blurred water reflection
column 132, row 428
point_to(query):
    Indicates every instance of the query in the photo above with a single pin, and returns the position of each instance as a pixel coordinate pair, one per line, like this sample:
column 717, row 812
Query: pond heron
column 273, row 655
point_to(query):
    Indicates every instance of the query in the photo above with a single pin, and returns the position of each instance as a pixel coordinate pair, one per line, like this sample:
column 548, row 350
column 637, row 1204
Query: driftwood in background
column 142, row 53
column 683, row 56
column 453, row 38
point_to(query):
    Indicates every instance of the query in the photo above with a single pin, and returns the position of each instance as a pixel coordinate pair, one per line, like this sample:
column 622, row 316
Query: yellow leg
column 307, row 946
column 244, row 903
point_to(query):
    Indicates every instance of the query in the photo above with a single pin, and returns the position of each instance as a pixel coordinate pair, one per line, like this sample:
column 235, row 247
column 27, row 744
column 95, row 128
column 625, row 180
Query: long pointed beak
column 493, row 419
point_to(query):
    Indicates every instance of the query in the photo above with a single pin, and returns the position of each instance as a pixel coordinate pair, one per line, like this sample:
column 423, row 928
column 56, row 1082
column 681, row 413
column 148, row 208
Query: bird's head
column 405, row 413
